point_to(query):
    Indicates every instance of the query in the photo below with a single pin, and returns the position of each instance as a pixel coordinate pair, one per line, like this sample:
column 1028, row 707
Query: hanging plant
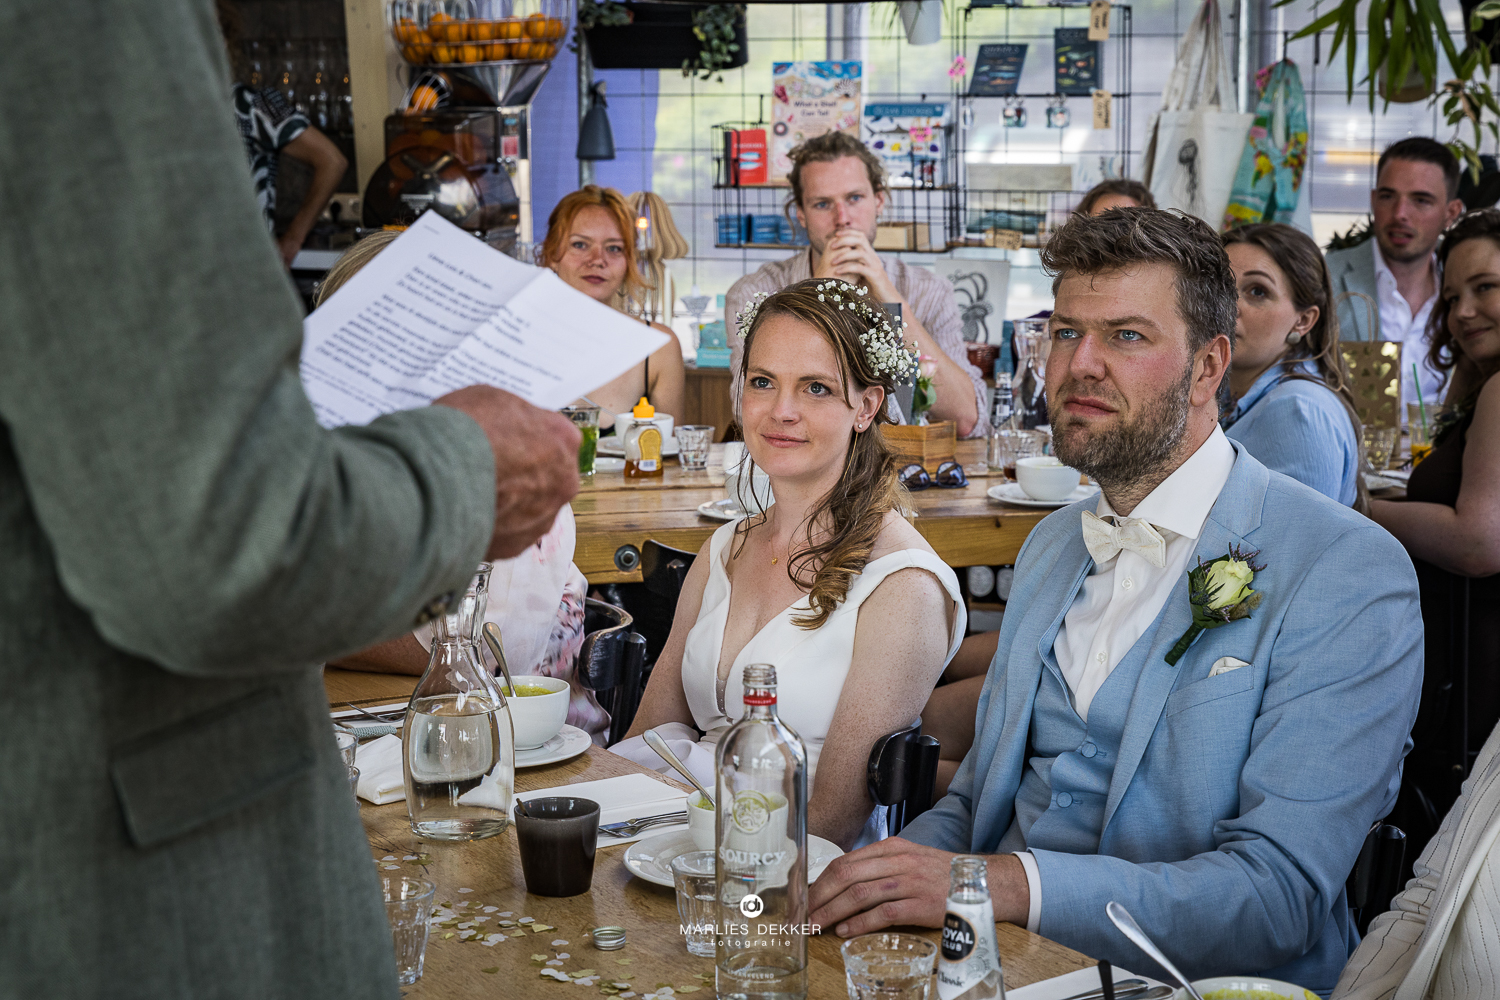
column 696, row 38
column 1403, row 40
column 716, row 27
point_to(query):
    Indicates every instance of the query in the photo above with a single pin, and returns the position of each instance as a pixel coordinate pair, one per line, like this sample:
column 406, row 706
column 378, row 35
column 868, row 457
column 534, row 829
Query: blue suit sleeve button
column 1064, row 800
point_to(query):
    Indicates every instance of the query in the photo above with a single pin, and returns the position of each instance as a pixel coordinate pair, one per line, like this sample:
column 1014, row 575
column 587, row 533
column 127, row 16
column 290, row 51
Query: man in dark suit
column 181, row 545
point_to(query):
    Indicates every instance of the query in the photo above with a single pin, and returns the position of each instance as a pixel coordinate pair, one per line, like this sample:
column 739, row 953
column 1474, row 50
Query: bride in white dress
column 831, row 585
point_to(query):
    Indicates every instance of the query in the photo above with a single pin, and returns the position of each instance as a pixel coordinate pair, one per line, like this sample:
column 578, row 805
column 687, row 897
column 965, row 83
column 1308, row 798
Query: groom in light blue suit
column 1217, row 783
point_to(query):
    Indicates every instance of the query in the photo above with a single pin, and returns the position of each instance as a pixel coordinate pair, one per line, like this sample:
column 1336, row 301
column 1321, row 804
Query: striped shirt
column 930, row 298
column 267, row 123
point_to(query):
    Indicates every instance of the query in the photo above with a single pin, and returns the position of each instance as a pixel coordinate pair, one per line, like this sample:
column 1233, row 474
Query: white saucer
column 567, row 744
column 721, row 510
column 605, row 464
column 651, row 859
column 1012, row 493
column 613, row 445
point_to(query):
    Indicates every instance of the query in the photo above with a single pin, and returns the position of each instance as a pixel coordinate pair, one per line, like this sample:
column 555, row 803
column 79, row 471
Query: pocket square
column 1224, row 664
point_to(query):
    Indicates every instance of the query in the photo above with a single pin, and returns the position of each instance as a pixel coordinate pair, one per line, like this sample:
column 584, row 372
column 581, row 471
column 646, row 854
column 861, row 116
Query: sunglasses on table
column 949, row 476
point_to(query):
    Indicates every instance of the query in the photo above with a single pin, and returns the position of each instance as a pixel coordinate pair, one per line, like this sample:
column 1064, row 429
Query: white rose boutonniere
column 1220, row 593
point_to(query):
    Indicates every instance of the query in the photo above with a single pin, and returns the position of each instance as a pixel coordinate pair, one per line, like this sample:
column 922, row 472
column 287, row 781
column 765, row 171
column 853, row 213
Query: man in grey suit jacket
column 1386, row 286
column 1208, row 752
column 181, row 545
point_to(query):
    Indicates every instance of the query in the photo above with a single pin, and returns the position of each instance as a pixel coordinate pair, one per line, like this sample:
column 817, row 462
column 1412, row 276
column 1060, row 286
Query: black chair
column 653, row 602
column 611, row 663
column 902, row 773
column 1377, row 874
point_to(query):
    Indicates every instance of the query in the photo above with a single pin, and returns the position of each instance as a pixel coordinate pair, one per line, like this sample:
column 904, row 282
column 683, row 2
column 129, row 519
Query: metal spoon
column 492, row 636
column 658, row 744
column 1122, row 919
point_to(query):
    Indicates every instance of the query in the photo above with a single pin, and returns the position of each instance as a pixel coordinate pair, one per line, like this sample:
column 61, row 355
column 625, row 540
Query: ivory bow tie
column 1105, row 541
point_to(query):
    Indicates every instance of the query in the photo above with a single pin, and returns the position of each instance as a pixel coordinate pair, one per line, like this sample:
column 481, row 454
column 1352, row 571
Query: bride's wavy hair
column 854, row 509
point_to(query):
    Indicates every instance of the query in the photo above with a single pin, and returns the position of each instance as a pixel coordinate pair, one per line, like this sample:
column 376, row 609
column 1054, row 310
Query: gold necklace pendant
column 774, row 560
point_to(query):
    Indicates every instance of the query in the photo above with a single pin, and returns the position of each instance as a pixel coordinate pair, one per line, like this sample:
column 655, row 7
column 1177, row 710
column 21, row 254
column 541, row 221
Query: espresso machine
column 461, row 146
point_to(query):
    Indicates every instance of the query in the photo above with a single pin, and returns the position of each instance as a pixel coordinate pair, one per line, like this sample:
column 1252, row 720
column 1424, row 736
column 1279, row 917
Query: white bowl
column 537, row 718
column 1043, row 477
column 700, row 823
column 1258, row 987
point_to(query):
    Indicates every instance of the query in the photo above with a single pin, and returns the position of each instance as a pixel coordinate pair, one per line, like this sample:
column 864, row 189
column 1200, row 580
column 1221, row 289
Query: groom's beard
column 1125, row 452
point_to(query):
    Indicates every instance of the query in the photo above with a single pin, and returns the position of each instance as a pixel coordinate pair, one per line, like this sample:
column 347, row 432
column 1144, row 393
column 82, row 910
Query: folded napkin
column 628, row 796
column 381, row 779
column 682, row 740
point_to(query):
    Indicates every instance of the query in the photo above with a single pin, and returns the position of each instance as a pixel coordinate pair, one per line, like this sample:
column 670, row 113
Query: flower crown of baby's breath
column 884, row 349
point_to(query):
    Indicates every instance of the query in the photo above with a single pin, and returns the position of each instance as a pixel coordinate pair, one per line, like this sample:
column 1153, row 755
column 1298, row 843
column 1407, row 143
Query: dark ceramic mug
column 557, row 837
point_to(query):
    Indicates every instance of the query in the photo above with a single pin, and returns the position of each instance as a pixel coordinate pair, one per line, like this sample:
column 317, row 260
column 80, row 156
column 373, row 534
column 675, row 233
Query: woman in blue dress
column 1291, row 407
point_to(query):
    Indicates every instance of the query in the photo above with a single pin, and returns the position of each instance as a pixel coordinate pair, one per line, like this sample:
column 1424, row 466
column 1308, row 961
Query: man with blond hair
column 838, row 191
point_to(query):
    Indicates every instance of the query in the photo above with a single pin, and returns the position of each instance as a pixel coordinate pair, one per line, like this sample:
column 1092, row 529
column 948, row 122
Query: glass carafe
column 458, row 745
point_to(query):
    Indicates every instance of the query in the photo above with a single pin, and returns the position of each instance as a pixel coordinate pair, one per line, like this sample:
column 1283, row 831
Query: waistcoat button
column 1088, row 749
column 1064, row 799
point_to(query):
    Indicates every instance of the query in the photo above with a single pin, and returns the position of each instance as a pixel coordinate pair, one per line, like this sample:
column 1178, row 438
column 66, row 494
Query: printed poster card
column 807, row 100
column 997, row 70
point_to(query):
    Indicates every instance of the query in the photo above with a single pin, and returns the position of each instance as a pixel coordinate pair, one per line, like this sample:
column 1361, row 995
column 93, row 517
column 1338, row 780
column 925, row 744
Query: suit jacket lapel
column 1235, row 514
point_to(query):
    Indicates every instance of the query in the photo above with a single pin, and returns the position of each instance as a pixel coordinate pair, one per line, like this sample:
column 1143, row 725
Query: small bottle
column 969, row 963
column 643, row 443
column 760, row 832
column 458, row 743
column 1002, row 409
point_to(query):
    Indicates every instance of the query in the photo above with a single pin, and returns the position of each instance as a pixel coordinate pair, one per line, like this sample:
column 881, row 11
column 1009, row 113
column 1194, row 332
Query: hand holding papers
column 438, row 310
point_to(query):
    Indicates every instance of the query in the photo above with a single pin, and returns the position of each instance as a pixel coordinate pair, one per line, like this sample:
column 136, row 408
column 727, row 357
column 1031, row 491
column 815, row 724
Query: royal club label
column 958, row 938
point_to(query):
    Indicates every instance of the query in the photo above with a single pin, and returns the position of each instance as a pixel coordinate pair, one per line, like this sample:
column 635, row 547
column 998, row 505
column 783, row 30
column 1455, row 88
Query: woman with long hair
column 590, row 243
column 1290, row 404
column 830, row 583
column 1450, row 524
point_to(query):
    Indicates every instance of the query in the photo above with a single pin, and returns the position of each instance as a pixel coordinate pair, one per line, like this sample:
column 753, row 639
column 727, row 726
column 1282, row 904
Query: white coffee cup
column 664, row 423
column 752, row 494
column 1043, row 477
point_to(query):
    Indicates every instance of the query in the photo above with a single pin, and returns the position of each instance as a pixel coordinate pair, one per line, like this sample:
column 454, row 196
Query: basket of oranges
column 458, row 32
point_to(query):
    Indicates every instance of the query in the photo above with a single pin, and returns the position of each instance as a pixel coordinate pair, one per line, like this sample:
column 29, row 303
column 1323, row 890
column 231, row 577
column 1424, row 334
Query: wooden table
column 964, row 526
column 655, row 951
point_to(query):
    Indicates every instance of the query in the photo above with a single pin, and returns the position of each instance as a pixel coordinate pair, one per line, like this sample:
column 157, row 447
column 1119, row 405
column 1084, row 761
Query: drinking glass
column 557, row 837
column 1380, row 442
column 408, row 906
column 693, row 874
column 693, row 441
column 348, row 743
column 1421, row 419
column 889, row 967
column 1008, row 444
column 586, row 419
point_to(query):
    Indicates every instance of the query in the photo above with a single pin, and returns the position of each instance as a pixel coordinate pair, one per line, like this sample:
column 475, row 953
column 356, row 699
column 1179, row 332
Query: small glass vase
column 458, row 743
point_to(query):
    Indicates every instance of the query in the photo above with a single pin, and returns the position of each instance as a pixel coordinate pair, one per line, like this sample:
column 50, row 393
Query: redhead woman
column 1450, row 522
column 591, row 245
column 830, row 584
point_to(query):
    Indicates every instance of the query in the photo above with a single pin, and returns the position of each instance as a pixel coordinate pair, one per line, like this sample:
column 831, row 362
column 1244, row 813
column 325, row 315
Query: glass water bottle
column 761, row 837
column 458, row 745
column 969, row 963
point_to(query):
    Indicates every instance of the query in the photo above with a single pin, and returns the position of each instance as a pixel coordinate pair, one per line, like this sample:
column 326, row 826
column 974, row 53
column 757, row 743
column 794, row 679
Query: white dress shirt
column 1398, row 322
column 1121, row 597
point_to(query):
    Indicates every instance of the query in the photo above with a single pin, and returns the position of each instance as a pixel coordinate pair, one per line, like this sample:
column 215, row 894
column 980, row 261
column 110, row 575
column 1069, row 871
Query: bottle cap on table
column 608, row 938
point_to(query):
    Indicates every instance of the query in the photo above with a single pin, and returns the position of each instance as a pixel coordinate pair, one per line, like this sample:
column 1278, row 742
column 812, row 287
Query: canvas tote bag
column 1197, row 136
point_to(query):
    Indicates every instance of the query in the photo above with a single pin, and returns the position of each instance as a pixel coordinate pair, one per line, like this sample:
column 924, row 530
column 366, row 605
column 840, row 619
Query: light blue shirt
column 1299, row 429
